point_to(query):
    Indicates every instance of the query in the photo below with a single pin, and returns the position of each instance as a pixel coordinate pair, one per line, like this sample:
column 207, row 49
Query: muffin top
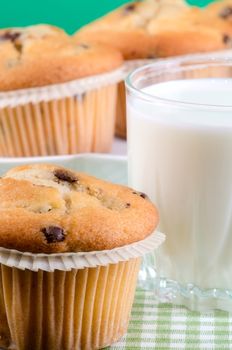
column 42, row 55
column 49, row 209
column 126, row 28
column 220, row 9
column 189, row 32
column 144, row 29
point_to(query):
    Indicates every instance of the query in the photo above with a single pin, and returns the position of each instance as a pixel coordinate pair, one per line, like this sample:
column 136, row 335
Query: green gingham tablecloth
column 165, row 326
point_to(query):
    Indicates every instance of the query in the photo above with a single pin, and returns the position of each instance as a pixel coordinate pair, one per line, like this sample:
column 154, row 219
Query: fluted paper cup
column 5, row 338
column 70, row 301
column 120, row 124
column 67, row 118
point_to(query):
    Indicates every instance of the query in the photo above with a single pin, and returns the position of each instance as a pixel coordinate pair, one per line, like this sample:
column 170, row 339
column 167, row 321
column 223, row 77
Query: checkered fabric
column 164, row 326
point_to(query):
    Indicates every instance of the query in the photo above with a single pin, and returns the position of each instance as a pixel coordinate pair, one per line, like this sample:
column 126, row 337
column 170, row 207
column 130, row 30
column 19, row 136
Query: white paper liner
column 69, row 261
column 58, row 91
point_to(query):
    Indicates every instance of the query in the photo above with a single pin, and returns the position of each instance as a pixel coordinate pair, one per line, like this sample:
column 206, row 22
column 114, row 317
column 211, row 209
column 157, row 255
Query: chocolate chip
column 129, row 8
column 18, row 47
column 226, row 12
column 128, row 205
column 53, row 234
column 226, row 39
column 65, row 175
column 141, row 194
column 12, row 36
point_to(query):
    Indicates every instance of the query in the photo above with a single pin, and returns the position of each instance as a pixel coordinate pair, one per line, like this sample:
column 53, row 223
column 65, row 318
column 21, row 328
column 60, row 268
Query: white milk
column 182, row 158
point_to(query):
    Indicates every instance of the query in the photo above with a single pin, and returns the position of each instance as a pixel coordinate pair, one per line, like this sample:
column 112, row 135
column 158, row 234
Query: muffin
column 135, row 29
column 56, row 97
column 126, row 27
column 50, row 303
column 155, row 29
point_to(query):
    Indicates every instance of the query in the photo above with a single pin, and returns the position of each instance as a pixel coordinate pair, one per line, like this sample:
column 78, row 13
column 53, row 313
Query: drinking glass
column 179, row 115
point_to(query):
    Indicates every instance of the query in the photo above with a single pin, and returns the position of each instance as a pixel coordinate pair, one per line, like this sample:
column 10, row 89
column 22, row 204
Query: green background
column 68, row 14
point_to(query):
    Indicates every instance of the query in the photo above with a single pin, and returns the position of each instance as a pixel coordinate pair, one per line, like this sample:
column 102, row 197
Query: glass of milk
column 180, row 153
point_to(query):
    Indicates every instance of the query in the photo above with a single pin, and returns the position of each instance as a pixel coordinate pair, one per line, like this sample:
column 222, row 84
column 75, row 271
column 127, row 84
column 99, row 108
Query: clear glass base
column 190, row 296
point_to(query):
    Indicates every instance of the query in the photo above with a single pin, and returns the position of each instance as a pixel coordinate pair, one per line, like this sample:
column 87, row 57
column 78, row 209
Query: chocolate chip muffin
column 144, row 29
column 42, row 55
column 56, row 96
column 151, row 29
column 49, row 209
column 58, row 210
column 125, row 29
column 188, row 32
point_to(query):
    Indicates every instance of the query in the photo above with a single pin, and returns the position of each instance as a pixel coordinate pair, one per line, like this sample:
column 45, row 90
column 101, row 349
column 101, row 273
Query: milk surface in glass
column 181, row 156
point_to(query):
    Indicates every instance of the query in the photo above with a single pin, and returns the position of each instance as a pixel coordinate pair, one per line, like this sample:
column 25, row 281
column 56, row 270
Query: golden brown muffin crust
column 176, row 42
column 145, row 30
column 126, row 27
column 49, row 209
column 43, row 55
column 220, row 9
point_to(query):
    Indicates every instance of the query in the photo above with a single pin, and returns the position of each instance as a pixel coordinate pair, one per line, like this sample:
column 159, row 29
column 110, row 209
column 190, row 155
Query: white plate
column 106, row 167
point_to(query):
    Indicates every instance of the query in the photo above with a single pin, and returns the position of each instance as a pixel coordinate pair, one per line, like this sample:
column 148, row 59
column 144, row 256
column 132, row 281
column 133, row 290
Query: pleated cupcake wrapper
column 71, row 125
column 59, row 91
column 120, row 125
column 129, row 66
column 69, row 118
column 69, row 261
column 84, row 304
column 84, row 309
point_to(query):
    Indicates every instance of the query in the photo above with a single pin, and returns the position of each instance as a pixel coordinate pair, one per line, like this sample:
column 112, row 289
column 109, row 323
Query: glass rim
column 174, row 65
